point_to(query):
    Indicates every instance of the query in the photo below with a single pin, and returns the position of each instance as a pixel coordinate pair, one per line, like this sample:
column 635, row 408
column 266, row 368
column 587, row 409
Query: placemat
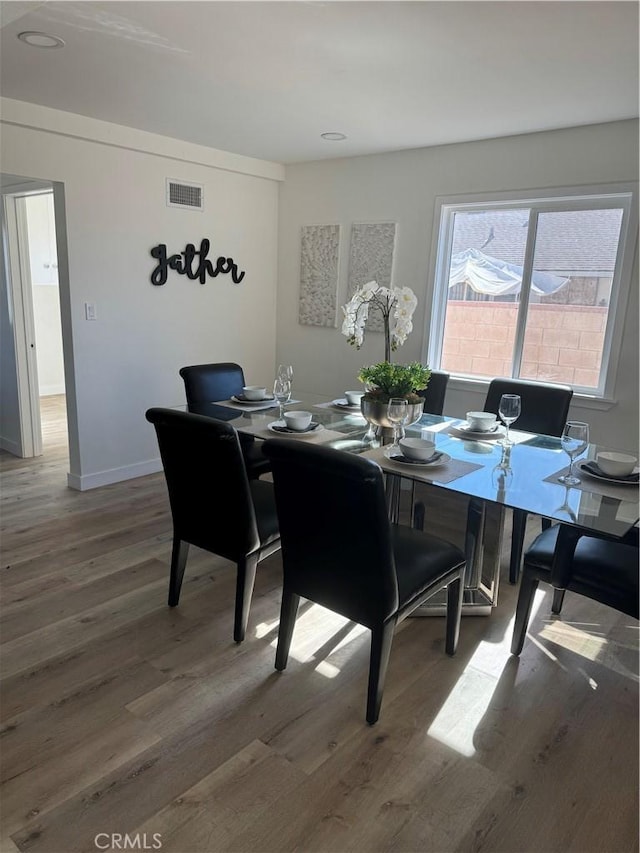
column 598, row 487
column 241, row 407
column 447, row 473
column 354, row 411
column 515, row 436
column 322, row 436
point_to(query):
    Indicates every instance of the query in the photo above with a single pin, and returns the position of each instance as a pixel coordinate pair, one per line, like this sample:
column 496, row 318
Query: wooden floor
column 122, row 716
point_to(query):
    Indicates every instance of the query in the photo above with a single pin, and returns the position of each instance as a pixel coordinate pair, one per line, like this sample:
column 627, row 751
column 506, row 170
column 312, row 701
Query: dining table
column 465, row 496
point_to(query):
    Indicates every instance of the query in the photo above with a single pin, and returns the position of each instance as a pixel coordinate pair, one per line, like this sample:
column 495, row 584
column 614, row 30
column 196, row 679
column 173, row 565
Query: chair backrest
column 206, row 383
column 545, row 406
column 209, row 492
column 334, row 529
column 434, row 394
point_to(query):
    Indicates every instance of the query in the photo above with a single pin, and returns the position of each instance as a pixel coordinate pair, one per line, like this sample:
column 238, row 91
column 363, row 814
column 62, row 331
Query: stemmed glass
column 282, row 393
column 509, row 411
column 397, row 415
column 285, row 371
column 574, row 441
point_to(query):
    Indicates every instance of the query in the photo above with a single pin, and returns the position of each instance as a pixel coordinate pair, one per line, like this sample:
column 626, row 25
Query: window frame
column 620, row 195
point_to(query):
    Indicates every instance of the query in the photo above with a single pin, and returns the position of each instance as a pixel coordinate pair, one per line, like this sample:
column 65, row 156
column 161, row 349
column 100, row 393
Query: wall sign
column 184, row 262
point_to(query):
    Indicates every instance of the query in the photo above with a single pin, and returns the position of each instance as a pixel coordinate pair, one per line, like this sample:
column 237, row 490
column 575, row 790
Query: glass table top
column 526, row 481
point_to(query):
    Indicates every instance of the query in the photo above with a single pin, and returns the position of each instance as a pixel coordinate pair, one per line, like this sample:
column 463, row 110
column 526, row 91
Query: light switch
column 90, row 311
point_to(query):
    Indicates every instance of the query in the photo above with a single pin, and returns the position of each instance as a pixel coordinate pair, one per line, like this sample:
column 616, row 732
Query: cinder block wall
column 563, row 343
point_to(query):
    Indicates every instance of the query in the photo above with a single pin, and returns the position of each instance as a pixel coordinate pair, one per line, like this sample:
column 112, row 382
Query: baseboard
column 51, row 390
column 113, row 475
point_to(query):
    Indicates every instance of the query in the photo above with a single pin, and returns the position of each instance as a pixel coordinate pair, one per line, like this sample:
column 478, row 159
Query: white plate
column 280, row 428
column 604, row 478
column 244, row 402
column 345, row 404
column 465, row 431
column 442, row 460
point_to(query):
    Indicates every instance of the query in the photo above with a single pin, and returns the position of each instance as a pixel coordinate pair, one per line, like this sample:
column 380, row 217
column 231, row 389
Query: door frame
column 21, row 301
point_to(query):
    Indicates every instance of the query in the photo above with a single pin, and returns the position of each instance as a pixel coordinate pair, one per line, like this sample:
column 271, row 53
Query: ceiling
column 265, row 79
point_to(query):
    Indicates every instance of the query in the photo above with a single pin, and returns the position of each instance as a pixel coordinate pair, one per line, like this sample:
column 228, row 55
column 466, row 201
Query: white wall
column 402, row 187
column 128, row 359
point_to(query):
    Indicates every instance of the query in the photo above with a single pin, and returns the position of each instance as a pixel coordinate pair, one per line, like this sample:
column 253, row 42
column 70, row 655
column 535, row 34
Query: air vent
column 185, row 195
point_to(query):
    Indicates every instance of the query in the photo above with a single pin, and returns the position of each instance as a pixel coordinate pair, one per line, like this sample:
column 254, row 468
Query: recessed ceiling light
column 333, row 136
column 36, row 39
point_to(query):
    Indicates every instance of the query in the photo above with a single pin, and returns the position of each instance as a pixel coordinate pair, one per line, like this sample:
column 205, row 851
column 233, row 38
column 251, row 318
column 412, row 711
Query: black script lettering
column 183, row 264
column 225, row 265
column 159, row 275
column 204, row 266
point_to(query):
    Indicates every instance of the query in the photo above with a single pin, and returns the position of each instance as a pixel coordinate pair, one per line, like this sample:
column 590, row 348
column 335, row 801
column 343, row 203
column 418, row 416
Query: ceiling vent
column 184, row 195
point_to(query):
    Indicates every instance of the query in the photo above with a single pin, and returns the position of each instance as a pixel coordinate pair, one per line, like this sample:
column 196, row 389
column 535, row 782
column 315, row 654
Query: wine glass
column 285, row 371
column 282, row 394
column 574, row 441
column 397, row 415
column 509, row 411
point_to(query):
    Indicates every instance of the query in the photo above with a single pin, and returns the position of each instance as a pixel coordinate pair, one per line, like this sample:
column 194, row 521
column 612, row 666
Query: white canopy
column 494, row 277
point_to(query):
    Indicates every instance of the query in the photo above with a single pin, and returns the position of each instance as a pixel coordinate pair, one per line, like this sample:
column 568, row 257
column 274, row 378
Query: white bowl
column 254, row 392
column 419, row 449
column 354, row 397
column 481, row 421
column 297, row 420
column 616, row 464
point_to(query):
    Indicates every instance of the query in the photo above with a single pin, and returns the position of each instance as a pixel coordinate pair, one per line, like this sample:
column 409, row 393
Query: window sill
column 581, row 401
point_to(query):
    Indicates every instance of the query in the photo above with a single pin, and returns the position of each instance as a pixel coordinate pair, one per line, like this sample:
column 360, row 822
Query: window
column 531, row 288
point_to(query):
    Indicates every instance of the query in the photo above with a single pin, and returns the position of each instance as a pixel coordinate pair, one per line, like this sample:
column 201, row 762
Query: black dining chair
column 545, row 408
column 602, row 569
column 435, row 392
column 214, row 505
column 340, row 550
column 210, row 383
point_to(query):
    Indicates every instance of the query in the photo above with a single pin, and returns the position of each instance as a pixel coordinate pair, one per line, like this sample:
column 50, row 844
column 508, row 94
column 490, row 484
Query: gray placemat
column 447, row 473
column 241, row 407
column 627, row 492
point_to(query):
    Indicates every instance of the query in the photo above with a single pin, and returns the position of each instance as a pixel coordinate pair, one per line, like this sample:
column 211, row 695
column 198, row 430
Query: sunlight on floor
column 466, row 705
column 317, row 631
column 572, row 638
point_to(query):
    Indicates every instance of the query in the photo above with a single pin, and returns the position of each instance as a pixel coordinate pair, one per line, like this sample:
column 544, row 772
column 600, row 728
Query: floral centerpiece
column 385, row 380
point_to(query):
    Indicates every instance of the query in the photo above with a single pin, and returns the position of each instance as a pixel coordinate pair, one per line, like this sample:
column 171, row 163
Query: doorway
column 34, row 399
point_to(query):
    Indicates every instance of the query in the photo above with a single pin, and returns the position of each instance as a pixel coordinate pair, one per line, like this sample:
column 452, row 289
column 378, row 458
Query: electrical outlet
column 90, row 311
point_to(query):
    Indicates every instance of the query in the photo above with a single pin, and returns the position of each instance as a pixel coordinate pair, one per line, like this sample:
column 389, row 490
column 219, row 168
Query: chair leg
column 558, row 598
column 418, row 516
column 244, row 590
column 518, row 529
column 455, row 593
column 179, row 554
column 288, row 613
column 381, row 638
column 528, row 587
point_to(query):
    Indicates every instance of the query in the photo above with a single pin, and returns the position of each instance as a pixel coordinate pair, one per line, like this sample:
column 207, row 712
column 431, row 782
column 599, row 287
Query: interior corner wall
column 128, row 358
column 402, row 187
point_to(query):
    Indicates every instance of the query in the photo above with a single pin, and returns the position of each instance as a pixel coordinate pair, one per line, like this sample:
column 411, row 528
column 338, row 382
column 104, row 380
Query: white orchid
column 397, row 304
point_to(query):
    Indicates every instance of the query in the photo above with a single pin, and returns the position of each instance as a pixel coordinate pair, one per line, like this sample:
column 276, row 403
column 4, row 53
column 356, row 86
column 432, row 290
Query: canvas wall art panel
column 319, row 258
